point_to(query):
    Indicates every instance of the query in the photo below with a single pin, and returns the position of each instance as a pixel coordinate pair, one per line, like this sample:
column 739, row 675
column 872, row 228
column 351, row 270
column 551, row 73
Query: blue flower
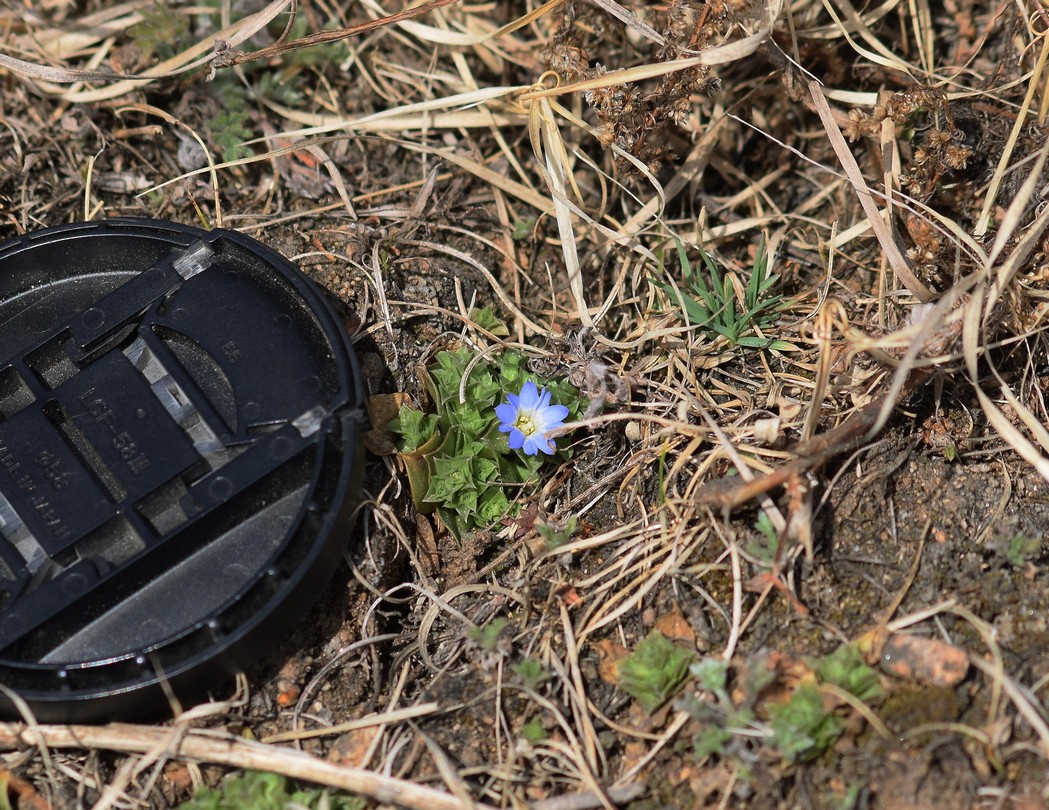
column 528, row 419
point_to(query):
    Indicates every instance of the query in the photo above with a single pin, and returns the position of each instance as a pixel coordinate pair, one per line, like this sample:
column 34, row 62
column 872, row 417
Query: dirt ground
column 420, row 170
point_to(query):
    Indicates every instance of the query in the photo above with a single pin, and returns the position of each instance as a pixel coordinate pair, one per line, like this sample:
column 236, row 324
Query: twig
column 220, row 748
column 728, row 494
column 586, row 801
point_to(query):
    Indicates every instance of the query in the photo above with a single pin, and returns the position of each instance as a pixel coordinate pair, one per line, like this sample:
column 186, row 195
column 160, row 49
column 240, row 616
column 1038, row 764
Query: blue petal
column 517, row 439
column 507, row 414
column 529, row 447
column 555, row 413
column 529, row 396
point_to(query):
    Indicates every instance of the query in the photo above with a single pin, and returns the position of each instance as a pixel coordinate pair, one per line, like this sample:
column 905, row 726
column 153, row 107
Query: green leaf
column 557, row 534
column 269, row 791
column 463, row 502
column 450, row 477
column 229, row 130
column 487, row 635
column 695, row 312
column 708, row 298
column 533, row 731
column 522, row 229
column 483, row 469
column 712, row 674
column 512, row 373
column 470, row 418
column 846, row 668
column 711, row 740
column 486, row 319
column 161, row 32
column 531, row 672
column 492, row 505
column 1021, row 548
column 414, row 427
column 449, row 373
column 802, row 728
column 275, row 86
column 655, row 671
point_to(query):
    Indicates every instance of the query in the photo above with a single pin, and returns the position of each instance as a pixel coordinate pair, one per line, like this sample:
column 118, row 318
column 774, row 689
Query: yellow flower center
column 526, row 423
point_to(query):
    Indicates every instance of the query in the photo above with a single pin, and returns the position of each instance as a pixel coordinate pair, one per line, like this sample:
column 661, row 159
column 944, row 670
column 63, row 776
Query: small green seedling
column 805, row 726
column 721, row 722
column 764, row 548
column 161, row 33
column 269, row 791
column 845, row 668
column 800, row 729
column 533, row 731
column 711, row 302
column 531, row 672
column 655, row 671
column 711, row 740
column 523, row 229
column 487, row 635
column 1022, row 548
column 712, row 675
column 557, row 534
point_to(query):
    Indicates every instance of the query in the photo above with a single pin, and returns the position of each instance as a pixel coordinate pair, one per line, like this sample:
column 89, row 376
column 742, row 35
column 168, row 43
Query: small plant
column 845, row 668
column 533, row 731
column 764, row 547
column 486, row 636
column 807, row 725
column 720, row 720
column 711, row 302
column 655, row 671
column 801, row 728
column 229, row 129
column 1022, row 548
column 531, row 672
column 523, row 229
column 557, row 534
column 459, row 461
column 269, row 791
column 161, row 33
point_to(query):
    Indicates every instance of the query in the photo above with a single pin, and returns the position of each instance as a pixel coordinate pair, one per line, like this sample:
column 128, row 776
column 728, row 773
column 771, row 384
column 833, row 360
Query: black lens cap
column 179, row 456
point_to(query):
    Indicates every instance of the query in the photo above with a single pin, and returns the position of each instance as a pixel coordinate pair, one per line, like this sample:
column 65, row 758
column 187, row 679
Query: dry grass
column 893, row 157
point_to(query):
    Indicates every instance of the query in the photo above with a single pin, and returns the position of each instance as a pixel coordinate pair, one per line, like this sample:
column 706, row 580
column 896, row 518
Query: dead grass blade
column 977, row 315
column 59, row 75
column 882, row 230
column 149, row 109
column 428, row 33
column 190, row 59
column 879, row 54
column 228, row 59
column 984, row 220
column 409, row 117
column 720, row 55
column 550, row 150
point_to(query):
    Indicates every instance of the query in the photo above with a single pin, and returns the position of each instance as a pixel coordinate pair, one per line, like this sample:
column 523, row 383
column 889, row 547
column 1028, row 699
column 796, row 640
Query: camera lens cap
column 179, row 458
